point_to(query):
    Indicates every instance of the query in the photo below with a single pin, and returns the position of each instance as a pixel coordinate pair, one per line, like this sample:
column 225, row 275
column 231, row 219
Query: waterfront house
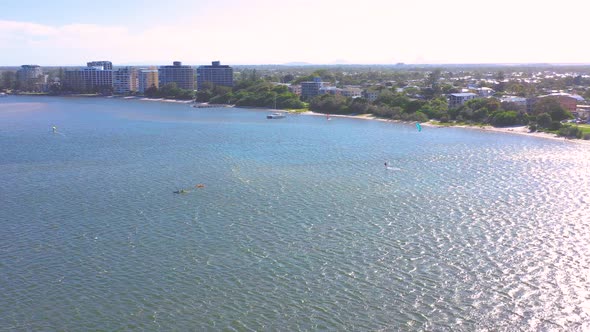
column 458, row 99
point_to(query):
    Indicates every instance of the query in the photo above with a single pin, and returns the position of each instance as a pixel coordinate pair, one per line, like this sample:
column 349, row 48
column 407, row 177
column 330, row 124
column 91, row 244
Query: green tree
column 552, row 107
column 419, row 117
column 448, row 88
column 359, row 106
column 511, row 106
column 151, row 92
column 432, row 81
column 544, row 120
column 334, row 104
column 55, row 89
column 436, row 108
column 411, row 91
column 8, row 80
column 414, row 105
column 503, row 119
column 570, row 132
column 287, row 78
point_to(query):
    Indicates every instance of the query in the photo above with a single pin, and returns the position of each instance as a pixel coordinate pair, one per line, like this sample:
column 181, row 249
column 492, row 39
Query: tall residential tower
column 216, row 73
column 183, row 76
column 147, row 78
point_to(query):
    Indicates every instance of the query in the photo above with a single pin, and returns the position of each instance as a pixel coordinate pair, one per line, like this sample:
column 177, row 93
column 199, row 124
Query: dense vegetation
column 169, row 91
column 250, row 91
column 412, row 103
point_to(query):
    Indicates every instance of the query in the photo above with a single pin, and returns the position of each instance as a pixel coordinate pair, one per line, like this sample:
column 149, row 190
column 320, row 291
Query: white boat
column 276, row 115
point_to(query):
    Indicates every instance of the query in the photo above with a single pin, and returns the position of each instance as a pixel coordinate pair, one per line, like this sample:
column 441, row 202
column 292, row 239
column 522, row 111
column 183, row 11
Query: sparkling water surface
column 299, row 226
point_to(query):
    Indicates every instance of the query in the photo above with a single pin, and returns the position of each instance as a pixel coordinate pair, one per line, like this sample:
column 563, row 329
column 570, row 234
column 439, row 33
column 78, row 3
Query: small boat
column 181, row 191
column 276, row 115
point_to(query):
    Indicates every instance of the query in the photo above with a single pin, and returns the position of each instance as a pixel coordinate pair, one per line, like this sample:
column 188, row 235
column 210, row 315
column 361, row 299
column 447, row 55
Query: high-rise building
column 183, row 76
column 89, row 79
column 147, row 78
column 123, row 80
column 216, row 73
column 27, row 72
column 134, row 81
column 30, row 77
column 97, row 76
column 73, row 80
column 311, row 89
column 106, row 65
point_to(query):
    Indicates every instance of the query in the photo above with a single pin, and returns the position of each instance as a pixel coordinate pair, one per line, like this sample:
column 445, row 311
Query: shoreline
column 516, row 130
column 142, row 98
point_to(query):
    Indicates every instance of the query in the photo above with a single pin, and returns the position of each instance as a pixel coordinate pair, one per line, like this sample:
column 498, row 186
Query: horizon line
column 304, row 64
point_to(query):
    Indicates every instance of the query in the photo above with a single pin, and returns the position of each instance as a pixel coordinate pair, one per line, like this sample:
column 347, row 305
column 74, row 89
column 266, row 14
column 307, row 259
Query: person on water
column 385, row 164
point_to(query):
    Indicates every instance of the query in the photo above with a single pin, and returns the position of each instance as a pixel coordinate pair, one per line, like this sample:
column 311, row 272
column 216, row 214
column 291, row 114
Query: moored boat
column 276, row 115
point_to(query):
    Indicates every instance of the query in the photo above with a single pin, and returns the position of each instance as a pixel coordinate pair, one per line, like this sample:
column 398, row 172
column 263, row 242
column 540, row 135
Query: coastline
column 163, row 100
column 516, row 130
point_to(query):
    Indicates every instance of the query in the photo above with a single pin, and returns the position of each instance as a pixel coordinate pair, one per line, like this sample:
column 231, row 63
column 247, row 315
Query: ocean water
column 298, row 224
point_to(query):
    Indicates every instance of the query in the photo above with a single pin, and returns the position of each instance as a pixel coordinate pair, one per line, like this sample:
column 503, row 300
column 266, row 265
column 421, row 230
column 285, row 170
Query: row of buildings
column 100, row 76
column 573, row 103
column 310, row 89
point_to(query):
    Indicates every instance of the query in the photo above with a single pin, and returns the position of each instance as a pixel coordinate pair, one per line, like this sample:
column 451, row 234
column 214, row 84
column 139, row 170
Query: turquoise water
column 299, row 226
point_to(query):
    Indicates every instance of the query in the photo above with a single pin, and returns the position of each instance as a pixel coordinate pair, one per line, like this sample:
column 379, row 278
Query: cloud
column 13, row 27
column 77, row 43
column 264, row 31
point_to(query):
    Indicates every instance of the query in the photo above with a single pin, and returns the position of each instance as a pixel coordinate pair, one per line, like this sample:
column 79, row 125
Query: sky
column 240, row 32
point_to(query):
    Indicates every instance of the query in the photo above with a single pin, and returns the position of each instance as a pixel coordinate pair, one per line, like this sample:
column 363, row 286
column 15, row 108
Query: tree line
column 547, row 113
column 250, row 91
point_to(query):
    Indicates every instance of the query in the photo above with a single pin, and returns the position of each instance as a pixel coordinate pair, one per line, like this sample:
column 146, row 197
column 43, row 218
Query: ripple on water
column 298, row 227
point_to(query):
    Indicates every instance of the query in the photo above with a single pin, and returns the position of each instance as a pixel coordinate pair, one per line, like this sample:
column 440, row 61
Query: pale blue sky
column 69, row 32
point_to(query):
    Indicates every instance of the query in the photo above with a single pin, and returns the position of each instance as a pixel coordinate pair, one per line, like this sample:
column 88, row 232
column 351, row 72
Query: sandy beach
column 517, row 130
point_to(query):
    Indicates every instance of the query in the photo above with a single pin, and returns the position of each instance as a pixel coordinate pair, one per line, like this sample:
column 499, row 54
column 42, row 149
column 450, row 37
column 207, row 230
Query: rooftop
column 464, row 94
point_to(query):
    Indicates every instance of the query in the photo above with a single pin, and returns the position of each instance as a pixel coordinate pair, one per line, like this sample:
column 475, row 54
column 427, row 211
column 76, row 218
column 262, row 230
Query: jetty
column 207, row 105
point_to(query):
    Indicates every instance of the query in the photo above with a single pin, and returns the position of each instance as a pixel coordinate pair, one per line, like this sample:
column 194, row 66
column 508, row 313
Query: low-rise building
column 352, row 92
column 485, row 92
column 330, row 90
column 566, row 100
column 371, row 95
column 458, row 99
column 296, row 89
column 520, row 101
